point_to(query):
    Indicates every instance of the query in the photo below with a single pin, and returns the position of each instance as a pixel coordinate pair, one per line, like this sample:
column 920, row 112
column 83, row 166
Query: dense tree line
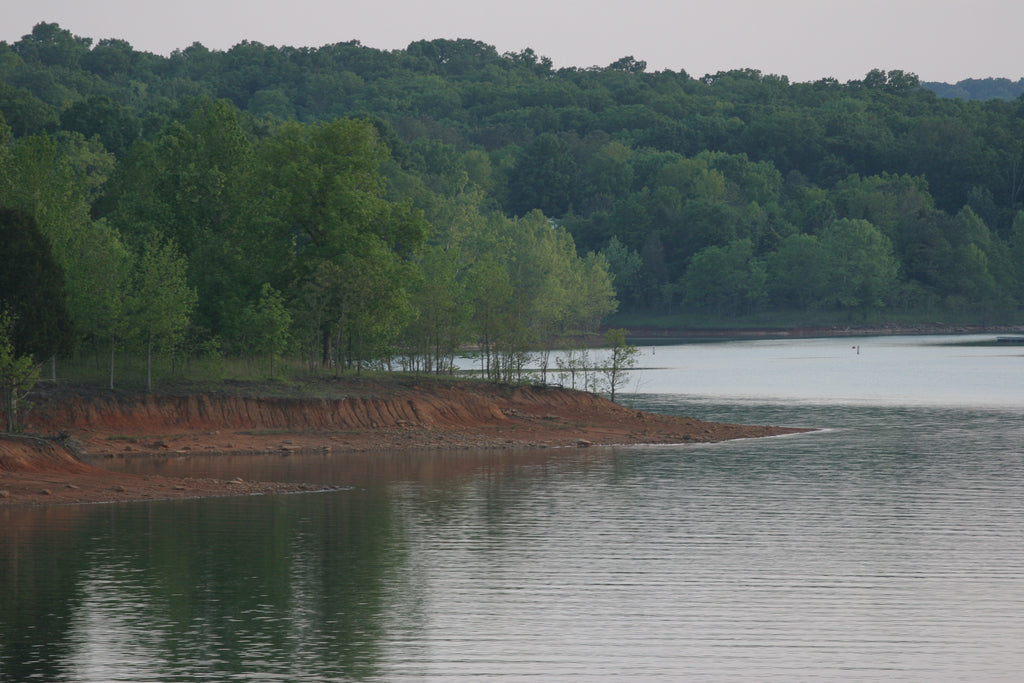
column 353, row 205
column 979, row 88
column 221, row 233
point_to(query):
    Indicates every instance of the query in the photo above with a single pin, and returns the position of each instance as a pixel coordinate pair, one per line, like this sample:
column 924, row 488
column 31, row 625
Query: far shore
column 815, row 331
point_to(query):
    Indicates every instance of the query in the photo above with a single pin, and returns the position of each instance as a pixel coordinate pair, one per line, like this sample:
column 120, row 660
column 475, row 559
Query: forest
column 354, row 207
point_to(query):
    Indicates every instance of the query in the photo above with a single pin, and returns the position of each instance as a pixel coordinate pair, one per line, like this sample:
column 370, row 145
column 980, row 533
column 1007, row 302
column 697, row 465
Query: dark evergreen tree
column 32, row 288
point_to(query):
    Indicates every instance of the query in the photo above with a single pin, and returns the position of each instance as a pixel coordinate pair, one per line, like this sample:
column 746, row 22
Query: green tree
column 329, row 208
column 554, row 292
column 317, row 307
column 797, row 272
column 53, row 46
column 626, row 268
column 327, row 184
column 746, row 181
column 884, row 200
column 592, row 295
column 99, row 116
column 266, row 324
column 1016, row 249
column 52, row 178
column 161, row 299
column 544, row 178
column 99, row 291
column 40, row 179
column 442, row 321
column 727, row 280
column 111, row 58
column 196, row 184
column 620, row 361
column 862, row 269
column 24, row 112
column 491, row 295
column 375, row 303
column 32, row 289
column 608, row 173
column 18, row 373
column 254, row 200
column 993, row 282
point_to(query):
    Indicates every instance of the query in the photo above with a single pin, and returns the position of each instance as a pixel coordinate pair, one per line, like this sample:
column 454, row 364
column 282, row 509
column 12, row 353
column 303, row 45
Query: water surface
column 887, row 546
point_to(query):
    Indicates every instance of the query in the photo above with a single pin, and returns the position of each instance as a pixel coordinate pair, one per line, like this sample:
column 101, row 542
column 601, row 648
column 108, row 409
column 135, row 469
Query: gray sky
column 939, row 40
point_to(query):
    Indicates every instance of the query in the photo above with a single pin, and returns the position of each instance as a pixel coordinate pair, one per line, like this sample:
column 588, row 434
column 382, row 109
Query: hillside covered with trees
column 979, row 88
column 349, row 205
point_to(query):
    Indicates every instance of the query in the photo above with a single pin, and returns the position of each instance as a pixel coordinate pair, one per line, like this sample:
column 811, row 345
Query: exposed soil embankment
column 35, row 471
column 349, row 415
column 32, row 454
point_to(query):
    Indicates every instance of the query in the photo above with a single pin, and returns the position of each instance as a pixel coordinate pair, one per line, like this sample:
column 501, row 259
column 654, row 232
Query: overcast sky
column 939, row 40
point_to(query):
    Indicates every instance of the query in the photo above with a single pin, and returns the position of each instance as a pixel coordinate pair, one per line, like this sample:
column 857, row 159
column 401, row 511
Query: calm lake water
column 887, row 546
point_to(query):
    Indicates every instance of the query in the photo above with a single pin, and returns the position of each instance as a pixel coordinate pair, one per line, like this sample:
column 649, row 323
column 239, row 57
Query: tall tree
column 329, row 207
column 266, row 324
column 40, row 179
column 375, row 305
column 51, row 45
column 621, row 359
column 32, row 289
column 440, row 299
column 196, row 185
column 862, row 268
column 161, row 300
column 101, row 283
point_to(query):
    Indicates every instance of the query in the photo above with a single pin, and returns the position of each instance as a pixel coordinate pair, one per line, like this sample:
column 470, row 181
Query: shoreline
column 817, row 331
column 358, row 416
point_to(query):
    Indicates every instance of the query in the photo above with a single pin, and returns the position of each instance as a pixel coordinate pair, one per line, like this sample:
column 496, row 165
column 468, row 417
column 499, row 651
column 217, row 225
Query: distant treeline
column 354, row 205
column 979, row 89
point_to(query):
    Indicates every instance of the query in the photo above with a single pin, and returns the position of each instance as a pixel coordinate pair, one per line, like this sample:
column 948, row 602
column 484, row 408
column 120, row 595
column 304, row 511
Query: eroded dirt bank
column 349, row 415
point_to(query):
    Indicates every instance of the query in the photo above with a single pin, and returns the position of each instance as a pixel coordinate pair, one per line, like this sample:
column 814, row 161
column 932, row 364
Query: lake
column 888, row 545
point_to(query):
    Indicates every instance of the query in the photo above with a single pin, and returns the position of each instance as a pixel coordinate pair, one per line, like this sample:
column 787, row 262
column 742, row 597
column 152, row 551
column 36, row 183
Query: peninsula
column 85, row 426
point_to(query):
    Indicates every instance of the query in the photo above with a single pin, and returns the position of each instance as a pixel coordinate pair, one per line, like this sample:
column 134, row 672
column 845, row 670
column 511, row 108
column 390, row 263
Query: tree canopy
column 393, row 206
column 32, row 293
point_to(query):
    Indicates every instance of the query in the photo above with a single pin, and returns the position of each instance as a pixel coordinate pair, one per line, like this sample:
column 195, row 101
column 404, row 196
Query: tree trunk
column 359, row 353
column 545, row 360
column 149, row 362
column 328, row 347
column 9, row 407
column 112, row 362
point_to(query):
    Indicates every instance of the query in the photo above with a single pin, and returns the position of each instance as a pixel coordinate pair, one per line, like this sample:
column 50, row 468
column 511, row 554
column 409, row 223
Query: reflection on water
column 191, row 590
column 889, row 546
column 339, row 469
